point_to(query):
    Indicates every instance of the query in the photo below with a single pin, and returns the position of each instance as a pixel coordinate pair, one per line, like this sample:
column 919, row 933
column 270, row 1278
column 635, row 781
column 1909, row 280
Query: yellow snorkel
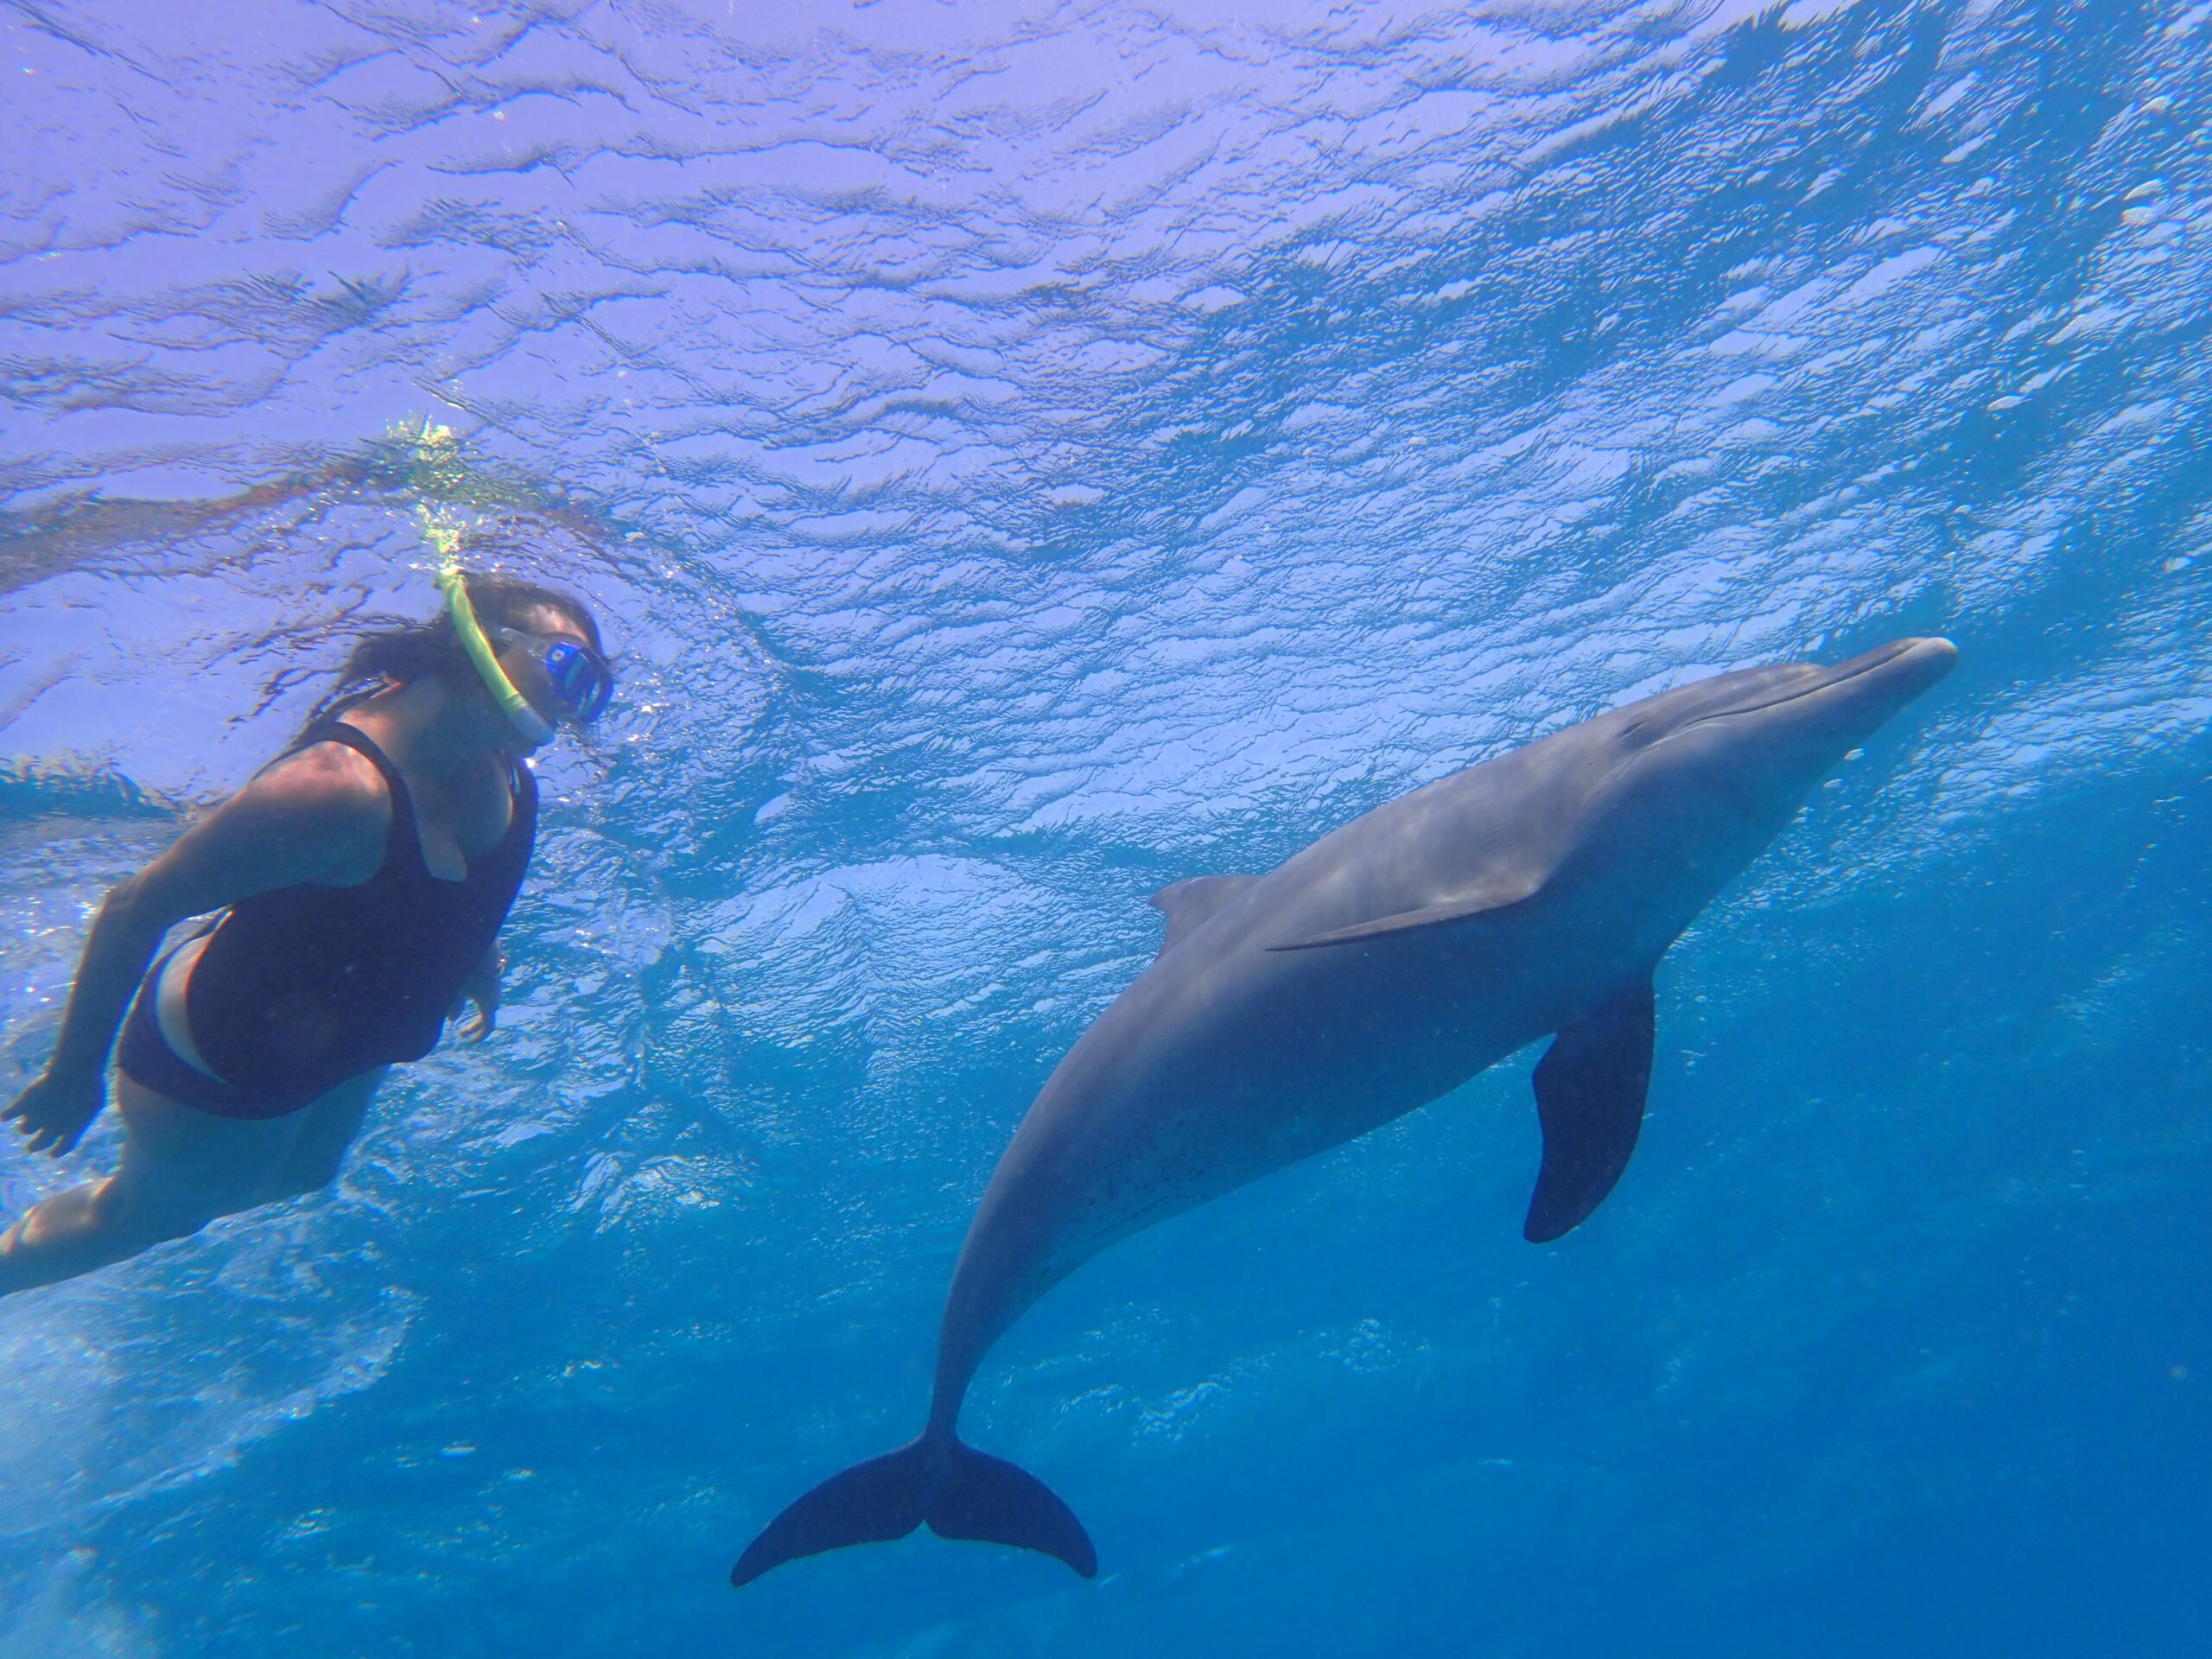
column 534, row 728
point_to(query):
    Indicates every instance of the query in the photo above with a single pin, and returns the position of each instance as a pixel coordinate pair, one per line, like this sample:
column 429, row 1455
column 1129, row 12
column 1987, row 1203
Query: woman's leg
column 327, row 1130
column 182, row 1168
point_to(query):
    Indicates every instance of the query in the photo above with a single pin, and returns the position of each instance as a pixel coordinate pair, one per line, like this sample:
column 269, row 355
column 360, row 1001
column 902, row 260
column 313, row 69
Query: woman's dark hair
column 424, row 649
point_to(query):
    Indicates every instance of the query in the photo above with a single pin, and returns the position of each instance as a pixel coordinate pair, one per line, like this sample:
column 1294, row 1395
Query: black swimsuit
column 300, row 989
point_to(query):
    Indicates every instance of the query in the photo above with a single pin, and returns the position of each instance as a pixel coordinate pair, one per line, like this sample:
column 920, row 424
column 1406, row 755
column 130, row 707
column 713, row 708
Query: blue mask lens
column 582, row 683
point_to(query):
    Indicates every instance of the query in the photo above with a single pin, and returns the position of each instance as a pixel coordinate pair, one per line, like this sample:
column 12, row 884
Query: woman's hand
column 54, row 1112
column 481, row 987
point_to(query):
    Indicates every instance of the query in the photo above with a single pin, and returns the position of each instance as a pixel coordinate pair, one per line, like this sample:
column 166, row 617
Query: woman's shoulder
column 325, row 783
column 314, row 816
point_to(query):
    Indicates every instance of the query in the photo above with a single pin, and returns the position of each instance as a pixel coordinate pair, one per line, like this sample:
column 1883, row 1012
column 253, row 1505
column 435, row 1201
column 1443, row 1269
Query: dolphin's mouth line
column 1883, row 661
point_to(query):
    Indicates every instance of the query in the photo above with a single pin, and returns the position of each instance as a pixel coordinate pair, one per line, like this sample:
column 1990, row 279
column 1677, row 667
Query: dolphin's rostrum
column 1377, row 969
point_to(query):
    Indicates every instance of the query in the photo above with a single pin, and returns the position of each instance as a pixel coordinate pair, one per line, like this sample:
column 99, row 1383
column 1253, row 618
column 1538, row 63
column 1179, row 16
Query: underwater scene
column 1000, row 461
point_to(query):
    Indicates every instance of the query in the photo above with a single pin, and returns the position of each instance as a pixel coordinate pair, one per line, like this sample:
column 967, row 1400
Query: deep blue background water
column 1028, row 455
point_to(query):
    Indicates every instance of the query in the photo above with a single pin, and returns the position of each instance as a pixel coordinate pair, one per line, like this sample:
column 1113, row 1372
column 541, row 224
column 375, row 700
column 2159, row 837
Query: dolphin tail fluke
column 959, row 1491
column 871, row 1502
column 991, row 1500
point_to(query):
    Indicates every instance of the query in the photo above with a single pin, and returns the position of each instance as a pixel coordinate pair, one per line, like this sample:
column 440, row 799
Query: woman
column 362, row 879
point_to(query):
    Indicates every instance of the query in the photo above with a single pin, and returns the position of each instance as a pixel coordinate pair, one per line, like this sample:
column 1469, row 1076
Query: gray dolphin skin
column 1379, row 968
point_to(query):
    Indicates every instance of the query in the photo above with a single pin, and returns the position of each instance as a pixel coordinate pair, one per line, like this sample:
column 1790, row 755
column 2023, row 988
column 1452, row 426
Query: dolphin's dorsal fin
column 1186, row 904
column 1496, row 893
column 1590, row 1090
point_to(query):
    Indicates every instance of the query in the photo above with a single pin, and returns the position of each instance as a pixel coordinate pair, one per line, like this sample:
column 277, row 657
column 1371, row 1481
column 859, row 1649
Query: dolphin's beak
column 1907, row 667
column 1787, row 725
column 1889, row 676
column 1884, row 680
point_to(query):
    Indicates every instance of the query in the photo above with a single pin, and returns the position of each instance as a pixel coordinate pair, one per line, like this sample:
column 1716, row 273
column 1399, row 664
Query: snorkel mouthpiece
column 533, row 728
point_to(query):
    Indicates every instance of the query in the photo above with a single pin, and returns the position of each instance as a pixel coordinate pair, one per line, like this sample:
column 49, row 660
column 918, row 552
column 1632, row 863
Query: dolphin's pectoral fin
column 1186, row 904
column 1590, row 1090
column 1494, row 894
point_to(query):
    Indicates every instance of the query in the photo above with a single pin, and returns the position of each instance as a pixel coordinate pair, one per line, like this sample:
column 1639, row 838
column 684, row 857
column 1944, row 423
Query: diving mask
column 578, row 678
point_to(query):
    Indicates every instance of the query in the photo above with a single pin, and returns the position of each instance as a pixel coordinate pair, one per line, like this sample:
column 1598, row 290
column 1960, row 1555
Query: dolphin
column 1382, row 967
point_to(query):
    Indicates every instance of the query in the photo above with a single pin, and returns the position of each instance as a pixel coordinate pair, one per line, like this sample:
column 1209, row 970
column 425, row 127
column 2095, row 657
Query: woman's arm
column 122, row 941
column 319, row 816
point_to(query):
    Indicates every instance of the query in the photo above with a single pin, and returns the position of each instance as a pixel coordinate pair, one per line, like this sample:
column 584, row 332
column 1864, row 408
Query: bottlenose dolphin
column 1382, row 967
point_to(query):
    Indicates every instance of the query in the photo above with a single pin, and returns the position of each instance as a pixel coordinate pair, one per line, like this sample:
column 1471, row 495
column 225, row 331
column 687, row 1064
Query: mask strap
column 533, row 726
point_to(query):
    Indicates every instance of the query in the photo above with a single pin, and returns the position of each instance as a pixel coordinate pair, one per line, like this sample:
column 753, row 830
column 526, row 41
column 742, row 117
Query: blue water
column 1027, row 455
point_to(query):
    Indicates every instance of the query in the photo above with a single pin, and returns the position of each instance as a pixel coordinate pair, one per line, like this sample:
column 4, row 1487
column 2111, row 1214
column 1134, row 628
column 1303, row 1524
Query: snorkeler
column 362, row 880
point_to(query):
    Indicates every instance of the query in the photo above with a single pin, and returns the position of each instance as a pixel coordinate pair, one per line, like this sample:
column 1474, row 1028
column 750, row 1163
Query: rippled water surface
column 1027, row 455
